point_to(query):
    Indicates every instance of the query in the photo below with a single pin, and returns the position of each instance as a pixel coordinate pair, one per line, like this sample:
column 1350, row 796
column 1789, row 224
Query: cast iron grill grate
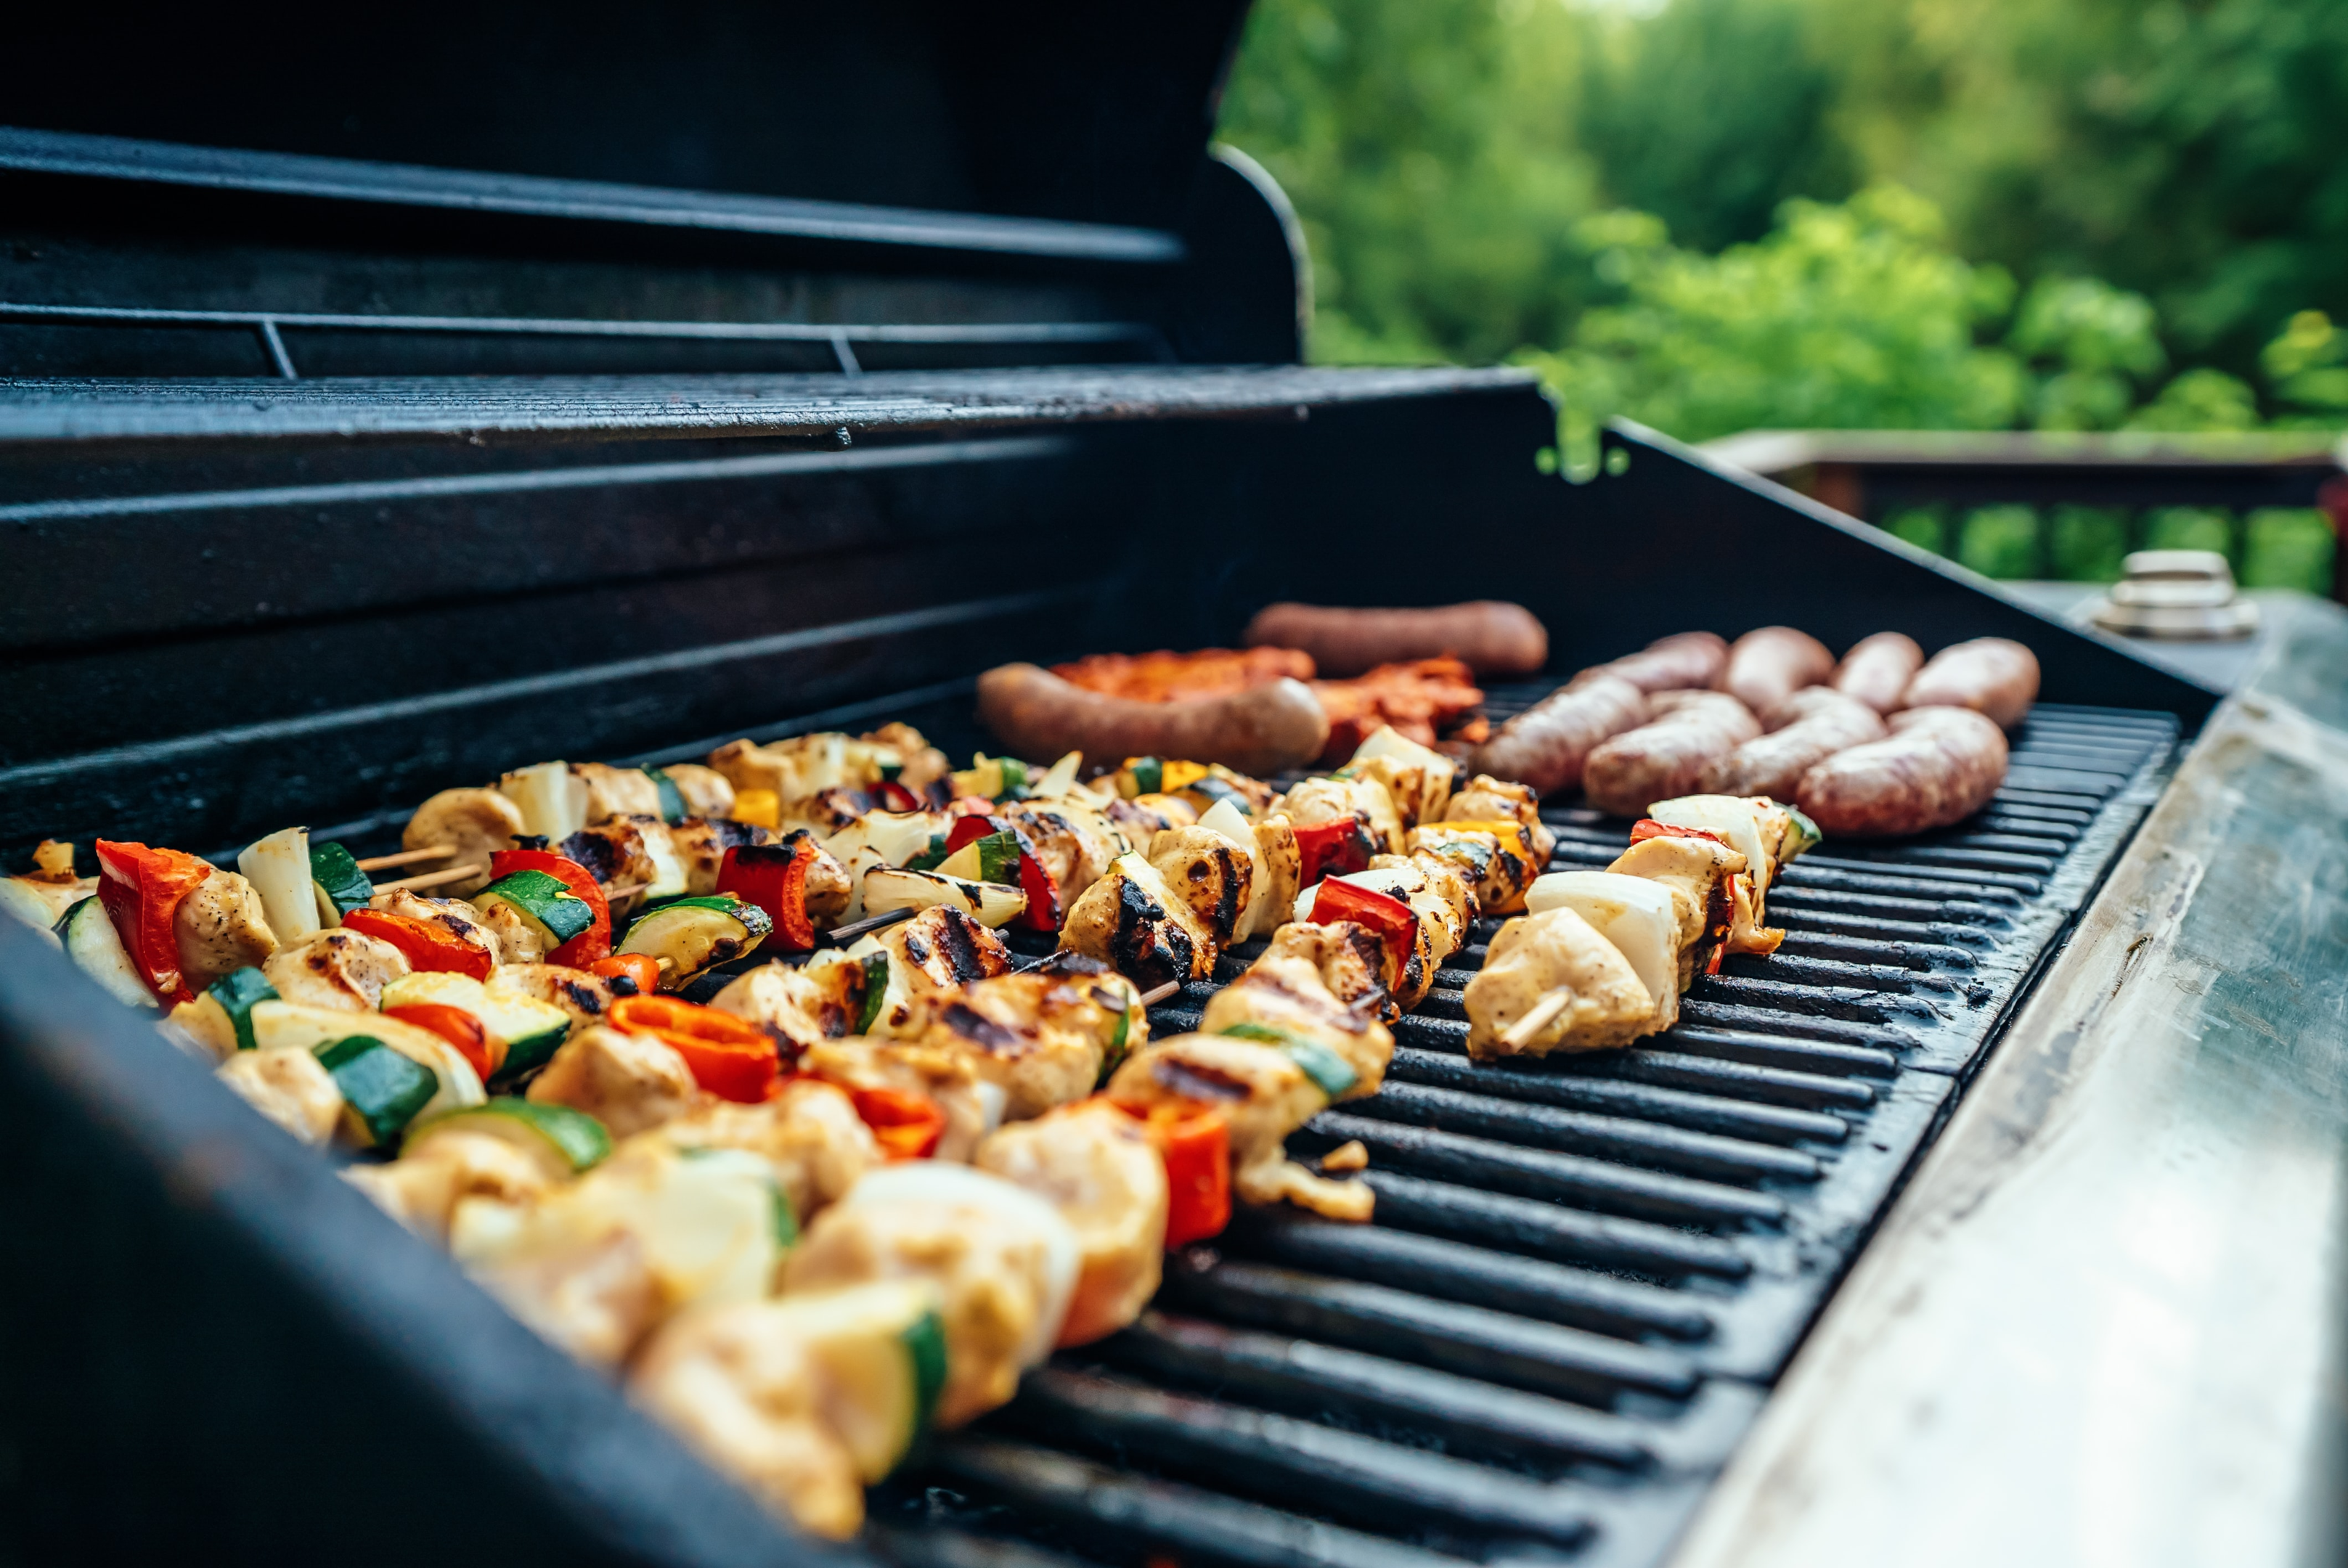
column 1585, row 1274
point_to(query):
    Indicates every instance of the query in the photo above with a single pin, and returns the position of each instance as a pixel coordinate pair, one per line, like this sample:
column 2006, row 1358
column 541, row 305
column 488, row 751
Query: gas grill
column 344, row 456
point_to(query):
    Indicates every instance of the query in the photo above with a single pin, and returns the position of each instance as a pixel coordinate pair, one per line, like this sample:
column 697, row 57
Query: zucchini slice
column 532, row 1030
column 693, row 933
column 337, row 882
column 1324, row 1067
column 286, row 1026
column 236, row 993
column 383, row 1090
column 543, row 903
column 566, row 1141
column 994, row 858
column 894, row 887
column 92, row 942
column 884, row 1351
column 278, row 866
column 672, row 799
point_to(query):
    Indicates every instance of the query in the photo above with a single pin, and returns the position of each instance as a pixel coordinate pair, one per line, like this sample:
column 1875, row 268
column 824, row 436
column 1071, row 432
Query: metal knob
column 2182, row 594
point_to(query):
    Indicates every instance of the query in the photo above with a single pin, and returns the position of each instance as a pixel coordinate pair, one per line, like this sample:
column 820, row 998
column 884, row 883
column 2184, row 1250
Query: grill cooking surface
column 1584, row 1273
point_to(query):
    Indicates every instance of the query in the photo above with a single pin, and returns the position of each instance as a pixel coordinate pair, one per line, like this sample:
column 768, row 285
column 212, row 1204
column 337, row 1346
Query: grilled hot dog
column 1767, row 666
column 1990, row 675
column 1938, row 765
column 1691, row 734
column 1493, row 637
column 1262, row 730
column 1812, row 725
column 1683, row 661
column 1878, row 669
column 1545, row 746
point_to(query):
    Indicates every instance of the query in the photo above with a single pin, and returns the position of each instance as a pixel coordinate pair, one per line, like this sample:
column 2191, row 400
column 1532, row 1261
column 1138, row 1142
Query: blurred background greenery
column 1720, row 215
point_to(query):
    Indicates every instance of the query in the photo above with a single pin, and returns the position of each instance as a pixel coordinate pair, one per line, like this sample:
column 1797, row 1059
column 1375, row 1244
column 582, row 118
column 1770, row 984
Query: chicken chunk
column 1550, row 982
column 805, row 1005
column 613, row 851
column 336, row 968
column 1133, row 920
column 920, row 763
column 41, row 897
column 1701, row 874
column 616, row 792
column 1492, row 856
column 627, row 1081
column 585, row 997
column 701, row 843
column 705, row 790
column 1264, row 1095
column 1209, row 874
column 809, row 1135
column 1416, row 778
column 1365, row 800
column 1042, row 1038
column 454, row 916
column 1317, row 983
column 595, row 1301
column 947, row 1077
column 1487, row 799
column 288, row 1087
column 1075, row 844
column 220, row 927
column 422, row 1188
column 1094, row 1162
column 942, row 947
column 473, row 822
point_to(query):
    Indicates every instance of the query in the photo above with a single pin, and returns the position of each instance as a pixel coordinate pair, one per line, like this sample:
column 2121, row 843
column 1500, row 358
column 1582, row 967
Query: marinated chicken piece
column 1552, row 983
column 1171, row 810
column 616, row 792
column 288, row 1087
column 805, row 1005
column 1042, row 1036
column 1140, row 823
column 920, row 763
column 946, row 1076
column 454, row 916
column 739, row 1387
column 1264, row 1095
column 1641, row 919
column 518, row 940
column 701, row 843
column 804, row 766
column 475, row 824
column 613, row 852
column 1704, row 876
column 705, row 790
column 585, row 997
column 1492, row 857
column 421, row 1188
column 627, row 1081
column 827, row 811
column 1767, row 834
column 1075, row 844
column 1317, row 983
column 809, row 1135
column 220, row 929
column 1365, row 801
column 1416, row 778
column 594, row 1301
column 1095, row 1163
column 1280, row 865
column 1487, row 799
column 41, row 897
column 336, row 968
column 1003, row 1261
column 943, row 947
column 1132, row 920
column 1444, row 903
column 1209, row 873
column 826, row 888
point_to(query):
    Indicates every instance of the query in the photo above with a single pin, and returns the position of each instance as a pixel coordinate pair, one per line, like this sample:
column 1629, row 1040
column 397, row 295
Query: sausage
column 1691, row 734
column 1545, row 746
column 1263, row 730
column 1938, row 765
column 1494, row 637
column 1812, row 725
column 1767, row 666
column 1990, row 675
column 1683, row 661
column 1878, row 669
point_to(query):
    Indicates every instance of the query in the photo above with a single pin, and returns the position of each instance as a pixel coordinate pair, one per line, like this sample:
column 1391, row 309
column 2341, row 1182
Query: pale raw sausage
column 1262, row 730
column 1812, row 725
column 1769, row 665
column 1494, row 638
column 1878, row 669
column 1990, row 675
column 1692, row 734
column 1545, row 746
column 1938, row 765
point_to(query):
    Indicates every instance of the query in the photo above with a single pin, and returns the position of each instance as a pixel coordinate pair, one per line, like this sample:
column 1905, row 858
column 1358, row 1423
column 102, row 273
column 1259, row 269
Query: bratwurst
column 1990, row 675
column 1812, row 725
column 1545, row 746
column 1692, row 734
column 1685, row 660
column 1938, row 765
column 1767, row 666
column 1263, row 730
column 1878, row 669
column 1493, row 637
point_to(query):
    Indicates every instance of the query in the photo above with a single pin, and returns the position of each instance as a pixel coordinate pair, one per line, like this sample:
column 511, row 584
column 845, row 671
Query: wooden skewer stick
column 1156, row 994
column 841, row 935
column 431, row 879
column 623, row 890
column 407, row 857
column 1537, row 1018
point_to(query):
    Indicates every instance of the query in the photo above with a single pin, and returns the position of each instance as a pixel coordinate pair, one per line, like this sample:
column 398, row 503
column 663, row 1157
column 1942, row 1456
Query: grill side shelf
column 1585, row 1272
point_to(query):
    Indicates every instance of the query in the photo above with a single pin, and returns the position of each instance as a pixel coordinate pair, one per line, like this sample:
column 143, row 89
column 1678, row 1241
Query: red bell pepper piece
column 774, row 877
column 583, row 950
column 1383, row 915
column 140, row 889
column 460, row 1029
column 642, row 968
column 894, row 797
column 426, row 946
column 1195, row 1143
column 906, row 1126
column 1647, row 828
column 1331, row 849
column 1042, row 911
column 731, row 1058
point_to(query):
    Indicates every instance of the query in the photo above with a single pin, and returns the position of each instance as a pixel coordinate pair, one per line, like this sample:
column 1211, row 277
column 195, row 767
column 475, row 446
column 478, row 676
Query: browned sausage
column 1990, row 675
column 1812, row 725
column 1494, row 637
column 1939, row 765
column 1262, row 730
column 1692, row 733
column 1544, row 746
column 1878, row 669
column 1683, row 661
column 1767, row 666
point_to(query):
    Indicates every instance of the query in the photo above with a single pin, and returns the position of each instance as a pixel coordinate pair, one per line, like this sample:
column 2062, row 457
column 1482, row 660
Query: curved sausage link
column 1938, row 765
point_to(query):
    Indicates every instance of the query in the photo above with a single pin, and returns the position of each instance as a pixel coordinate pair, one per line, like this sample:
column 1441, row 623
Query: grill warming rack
column 1585, row 1273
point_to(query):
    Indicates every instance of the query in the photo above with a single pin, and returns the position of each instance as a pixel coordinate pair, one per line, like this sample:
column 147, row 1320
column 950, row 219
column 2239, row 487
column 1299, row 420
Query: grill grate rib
column 1584, row 1273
